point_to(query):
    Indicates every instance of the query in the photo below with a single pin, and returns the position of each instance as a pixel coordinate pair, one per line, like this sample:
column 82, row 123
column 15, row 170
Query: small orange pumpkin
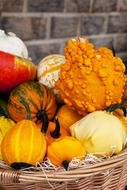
column 54, row 131
column 67, row 117
column 63, row 150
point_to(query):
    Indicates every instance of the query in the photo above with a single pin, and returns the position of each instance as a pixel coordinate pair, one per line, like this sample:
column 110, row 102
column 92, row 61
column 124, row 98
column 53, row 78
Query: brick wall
column 46, row 25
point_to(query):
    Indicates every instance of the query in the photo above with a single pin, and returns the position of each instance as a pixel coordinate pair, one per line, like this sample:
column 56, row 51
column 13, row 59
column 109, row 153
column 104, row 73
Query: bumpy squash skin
column 91, row 79
column 24, row 143
column 14, row 71
column 37, row 97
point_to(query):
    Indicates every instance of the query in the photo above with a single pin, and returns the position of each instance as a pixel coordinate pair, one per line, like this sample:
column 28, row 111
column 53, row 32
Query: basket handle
column 8, row 176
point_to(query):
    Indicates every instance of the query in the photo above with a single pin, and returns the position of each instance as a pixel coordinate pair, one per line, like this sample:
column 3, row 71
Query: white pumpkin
column 100, row 132
column 10, row 43
column 49, row 69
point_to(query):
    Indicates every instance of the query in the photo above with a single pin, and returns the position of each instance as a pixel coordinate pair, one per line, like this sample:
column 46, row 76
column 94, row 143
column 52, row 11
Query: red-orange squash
column 37, row 98
column 14, row 71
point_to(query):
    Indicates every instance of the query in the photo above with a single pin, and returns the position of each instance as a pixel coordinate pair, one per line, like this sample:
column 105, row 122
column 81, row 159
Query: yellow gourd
column 100, row 132
column 63, row 150
column 5, row 125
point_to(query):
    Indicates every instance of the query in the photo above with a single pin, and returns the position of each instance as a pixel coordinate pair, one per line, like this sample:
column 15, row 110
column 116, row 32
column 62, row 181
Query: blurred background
column 46, row 25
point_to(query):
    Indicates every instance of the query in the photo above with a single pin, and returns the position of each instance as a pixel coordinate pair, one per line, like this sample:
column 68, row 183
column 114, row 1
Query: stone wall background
column 46, row 25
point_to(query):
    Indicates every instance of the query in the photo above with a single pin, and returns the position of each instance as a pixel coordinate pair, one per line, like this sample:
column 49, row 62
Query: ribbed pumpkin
column 24, row 143
column 40, row 100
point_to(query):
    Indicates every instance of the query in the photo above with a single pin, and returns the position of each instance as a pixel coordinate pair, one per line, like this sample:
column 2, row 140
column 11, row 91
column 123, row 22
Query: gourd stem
column 112, row 48
column 56, row 133
column 28, row 115
column 113, row 107
column 65, row 164
column 5, row 31
column 20, row 165
column 2, row 112
column 44, row 118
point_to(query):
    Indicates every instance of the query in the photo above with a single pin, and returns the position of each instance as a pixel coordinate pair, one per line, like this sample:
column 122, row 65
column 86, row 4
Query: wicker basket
column 110, row 174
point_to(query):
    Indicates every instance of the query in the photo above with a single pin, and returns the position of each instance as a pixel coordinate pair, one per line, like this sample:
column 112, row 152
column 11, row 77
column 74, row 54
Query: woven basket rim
column 62, row 176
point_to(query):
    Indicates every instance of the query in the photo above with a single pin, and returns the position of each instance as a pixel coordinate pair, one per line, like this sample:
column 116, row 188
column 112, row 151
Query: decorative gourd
column 123, row 120
column 120, row 112
column 14, row 71
column 24, row 143
column 55, row 131
column 91, row 79
column 5, row 125
column 124, row 98
column 67, row 117
column 63, row 150
column 100, row 132
column 10, row 43
column 40, row 100
column 49, row 68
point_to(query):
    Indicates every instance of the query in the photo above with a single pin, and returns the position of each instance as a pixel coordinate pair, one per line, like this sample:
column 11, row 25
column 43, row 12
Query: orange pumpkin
column 67, row 117
column 25, row 143
column 54, row 131
column 39, row 100
column 63, row 150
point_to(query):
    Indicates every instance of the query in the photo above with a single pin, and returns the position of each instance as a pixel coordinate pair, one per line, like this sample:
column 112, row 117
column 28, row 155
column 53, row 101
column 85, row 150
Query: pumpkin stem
column 28, row 115
column 56, row 133
column 112, row 48
column 44, row 118
column 65, row 164
column 5, row 31
column 2, row 112
column 113, row 107
column 20, row 165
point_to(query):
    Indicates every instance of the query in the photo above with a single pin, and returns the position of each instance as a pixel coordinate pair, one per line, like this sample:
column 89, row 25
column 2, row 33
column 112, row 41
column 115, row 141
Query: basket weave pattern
column 110, row 174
